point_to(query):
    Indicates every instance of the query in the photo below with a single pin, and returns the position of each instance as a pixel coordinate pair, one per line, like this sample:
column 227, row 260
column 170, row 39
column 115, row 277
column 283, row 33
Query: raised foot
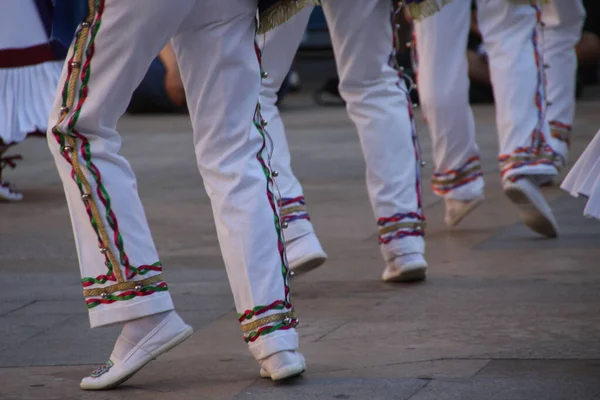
column 534, row 211
column 457, row 210
column 305, row 254
column 171, row 332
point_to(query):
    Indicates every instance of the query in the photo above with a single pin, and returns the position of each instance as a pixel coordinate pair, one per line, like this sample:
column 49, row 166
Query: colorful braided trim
column 102, row 279
column 444, row 182
column 138, row 291
column 400, row 226
column 293, row 209
column 254, row 325
column 526, row 157
column 119, row 287
column 75, row 148
column 259, row 124
column 285, row 324
column 286, row 319
column 561, row 132
column 403, row 225
column 258, row 310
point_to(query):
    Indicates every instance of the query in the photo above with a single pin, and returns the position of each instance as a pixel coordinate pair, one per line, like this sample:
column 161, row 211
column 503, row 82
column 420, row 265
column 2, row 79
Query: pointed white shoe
column 457, row 210
column 305, row 254
column 401, row 269
column 168, row 334
column 534, row 210
column 282, row 365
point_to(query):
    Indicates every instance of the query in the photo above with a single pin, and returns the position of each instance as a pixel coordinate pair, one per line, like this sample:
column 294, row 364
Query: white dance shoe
column 305, row 254
column 406, row 268
column 165, row 336
column 534, row 210
column 282, row 365
column 8, row 193
column 457, row 210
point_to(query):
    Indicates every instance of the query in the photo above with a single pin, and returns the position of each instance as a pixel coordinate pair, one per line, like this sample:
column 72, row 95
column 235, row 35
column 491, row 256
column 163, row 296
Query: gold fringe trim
column 119, row 287
column 402, row 225
column 280, row 13
column 71, row 86
column 254, row 325
column 291, row 210
column 427, row 8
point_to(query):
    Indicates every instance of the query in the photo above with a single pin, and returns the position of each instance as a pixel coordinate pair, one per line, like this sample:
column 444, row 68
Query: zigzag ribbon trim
column 444, row 182
column 293, row 209
column 143, row 291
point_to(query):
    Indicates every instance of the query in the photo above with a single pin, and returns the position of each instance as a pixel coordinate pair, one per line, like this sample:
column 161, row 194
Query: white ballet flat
column 160, row 340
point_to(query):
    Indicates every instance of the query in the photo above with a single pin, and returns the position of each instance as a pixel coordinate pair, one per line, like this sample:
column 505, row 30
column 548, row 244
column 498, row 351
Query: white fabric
column 584, row 178
column 361, row 33
column 20, row 25
column 508, row 31
column 563, row 20
column 128, row 357
column 214, row 44
column 26, row 101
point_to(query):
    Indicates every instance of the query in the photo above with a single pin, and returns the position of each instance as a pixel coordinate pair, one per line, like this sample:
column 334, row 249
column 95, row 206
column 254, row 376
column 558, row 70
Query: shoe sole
column 288, row 373
column 415, row 274
column 531, row 216
column 177, row 340
column 472, row 206
column 307, row 264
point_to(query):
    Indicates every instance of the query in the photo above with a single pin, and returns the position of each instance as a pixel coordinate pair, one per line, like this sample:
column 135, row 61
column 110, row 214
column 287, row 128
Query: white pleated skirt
column 26, row 99
column 584, row 178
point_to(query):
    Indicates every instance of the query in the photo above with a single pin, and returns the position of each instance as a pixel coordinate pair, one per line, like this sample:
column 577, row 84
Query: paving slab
column 504, row 315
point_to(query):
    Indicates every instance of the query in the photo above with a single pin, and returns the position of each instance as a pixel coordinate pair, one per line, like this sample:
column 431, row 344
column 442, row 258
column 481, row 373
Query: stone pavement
column 504, row 315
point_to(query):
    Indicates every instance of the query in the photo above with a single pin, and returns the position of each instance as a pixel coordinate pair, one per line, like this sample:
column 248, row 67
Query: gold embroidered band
column 254, row 325
column 118, row 287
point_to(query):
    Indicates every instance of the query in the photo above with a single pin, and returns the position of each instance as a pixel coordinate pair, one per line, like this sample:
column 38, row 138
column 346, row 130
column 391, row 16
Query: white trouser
column 378, row 105
column 510, row 34
column 563, row 21
column 119, row 264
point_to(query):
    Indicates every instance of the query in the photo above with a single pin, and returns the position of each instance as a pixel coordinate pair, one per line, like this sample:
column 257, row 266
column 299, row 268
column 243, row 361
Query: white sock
column 135, row 330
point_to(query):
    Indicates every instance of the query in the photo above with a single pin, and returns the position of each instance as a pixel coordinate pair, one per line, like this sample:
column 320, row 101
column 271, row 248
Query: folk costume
column 378, row 103
column 121, row 272
column 511, row 33
column 563, row 22
column 584, row 178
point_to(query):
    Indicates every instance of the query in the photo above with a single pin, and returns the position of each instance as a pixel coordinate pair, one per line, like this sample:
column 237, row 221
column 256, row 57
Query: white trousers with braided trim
column 376, row 101
column 563, row 21
column 215, row 48
column 512, row 41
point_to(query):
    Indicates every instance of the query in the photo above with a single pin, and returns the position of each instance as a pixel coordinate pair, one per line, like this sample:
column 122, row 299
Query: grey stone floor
column 504, row 315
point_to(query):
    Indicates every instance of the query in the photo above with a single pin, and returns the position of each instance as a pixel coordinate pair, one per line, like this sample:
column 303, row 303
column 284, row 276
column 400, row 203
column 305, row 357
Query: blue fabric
column 45, row 10
column 68, row 14
column 317, row 20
